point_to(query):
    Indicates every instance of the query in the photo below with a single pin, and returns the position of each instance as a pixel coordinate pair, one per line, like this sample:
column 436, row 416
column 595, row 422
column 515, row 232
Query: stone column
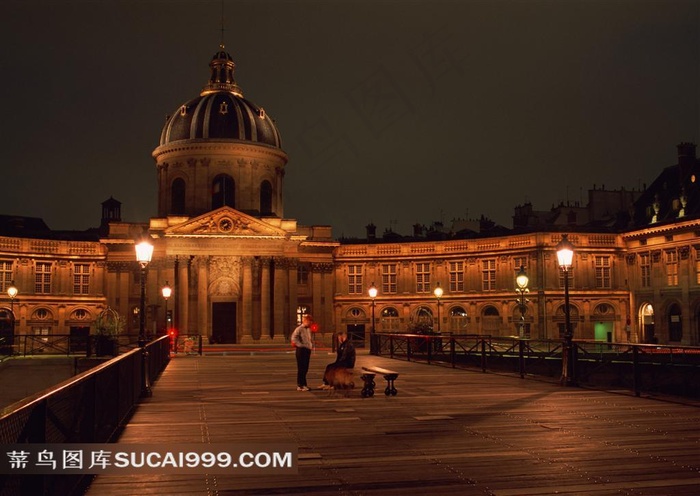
column 265, row 308
column 280, row 331
column 293, row 291
column 203, row 297
column 247, row 299
column 184, row 297
column 316, row 295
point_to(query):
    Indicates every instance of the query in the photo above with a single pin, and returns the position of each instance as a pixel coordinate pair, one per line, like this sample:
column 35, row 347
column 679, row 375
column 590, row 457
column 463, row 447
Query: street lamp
column 166, row 291
column 12, row 293
column 144, row 252
column 372, row 291
column 565, row 256
column 438, row 294
column 521, row 281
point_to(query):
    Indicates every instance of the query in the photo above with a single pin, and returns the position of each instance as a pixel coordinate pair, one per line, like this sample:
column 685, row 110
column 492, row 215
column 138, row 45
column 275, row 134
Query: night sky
column 392, row 112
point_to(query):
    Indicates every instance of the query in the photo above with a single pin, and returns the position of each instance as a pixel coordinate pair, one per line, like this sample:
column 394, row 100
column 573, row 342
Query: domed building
column 240, row 271
column 220, row 149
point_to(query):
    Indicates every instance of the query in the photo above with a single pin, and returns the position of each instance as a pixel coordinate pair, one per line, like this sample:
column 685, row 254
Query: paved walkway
column 446, row 432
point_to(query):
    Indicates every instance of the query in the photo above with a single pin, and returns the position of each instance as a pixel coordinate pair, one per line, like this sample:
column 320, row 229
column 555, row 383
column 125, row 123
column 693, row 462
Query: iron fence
column 89, row 408
column 638, row 367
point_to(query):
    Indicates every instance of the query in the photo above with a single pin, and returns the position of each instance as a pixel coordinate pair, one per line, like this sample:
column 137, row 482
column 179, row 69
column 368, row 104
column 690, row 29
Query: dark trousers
column 303, row 356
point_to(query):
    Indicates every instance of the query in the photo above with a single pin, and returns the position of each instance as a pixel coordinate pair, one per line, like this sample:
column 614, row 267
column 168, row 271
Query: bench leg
column 368, row 389
column 390, row 389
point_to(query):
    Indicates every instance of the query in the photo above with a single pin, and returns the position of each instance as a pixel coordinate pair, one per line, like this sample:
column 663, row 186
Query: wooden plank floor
column 447, row 432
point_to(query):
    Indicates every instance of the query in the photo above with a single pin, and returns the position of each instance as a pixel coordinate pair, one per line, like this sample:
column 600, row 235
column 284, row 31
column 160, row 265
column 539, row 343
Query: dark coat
column 346, row 355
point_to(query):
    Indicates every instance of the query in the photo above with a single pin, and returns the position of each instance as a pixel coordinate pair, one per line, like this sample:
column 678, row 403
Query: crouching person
column 338, row 375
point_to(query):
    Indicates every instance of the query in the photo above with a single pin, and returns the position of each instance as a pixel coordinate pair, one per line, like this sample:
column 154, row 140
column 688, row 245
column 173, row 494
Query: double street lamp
column 144, row 253
column 565, row 257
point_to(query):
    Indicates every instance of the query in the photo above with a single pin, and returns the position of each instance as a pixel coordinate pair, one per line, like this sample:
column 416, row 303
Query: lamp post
column 372, row 291
column 144, row 252
column 166, row 291
column 438, row 294
column 565, row 256
column 12, row 293
column 521, row 281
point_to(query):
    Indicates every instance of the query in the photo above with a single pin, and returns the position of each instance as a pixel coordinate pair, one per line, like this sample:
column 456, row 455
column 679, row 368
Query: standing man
column 302, row 341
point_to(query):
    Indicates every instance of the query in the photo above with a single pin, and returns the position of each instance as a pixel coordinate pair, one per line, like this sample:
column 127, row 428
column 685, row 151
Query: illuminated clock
column 226, row 224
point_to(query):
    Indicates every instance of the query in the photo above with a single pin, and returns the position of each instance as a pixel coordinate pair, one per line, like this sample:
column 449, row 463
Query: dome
column 221, row 112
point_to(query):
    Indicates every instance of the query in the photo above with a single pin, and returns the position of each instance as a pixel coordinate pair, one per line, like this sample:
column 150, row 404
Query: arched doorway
column 491, row 320
column 604, row 322
column 356, row 320
column 646, row 323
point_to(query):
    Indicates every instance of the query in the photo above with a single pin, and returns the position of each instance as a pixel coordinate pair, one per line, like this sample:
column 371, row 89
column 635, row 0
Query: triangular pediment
column 226, row 221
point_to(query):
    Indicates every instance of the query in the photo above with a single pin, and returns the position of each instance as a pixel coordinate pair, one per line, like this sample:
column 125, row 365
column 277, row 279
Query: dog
column 340, row 378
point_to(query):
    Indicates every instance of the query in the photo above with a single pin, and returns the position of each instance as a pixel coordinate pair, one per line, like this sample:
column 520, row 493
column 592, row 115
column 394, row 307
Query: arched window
column 675, row 323
column 266, row 198
column 223, row 192
column 389, row 319
column 458, row 319
column 177, row 197
column 423, row 321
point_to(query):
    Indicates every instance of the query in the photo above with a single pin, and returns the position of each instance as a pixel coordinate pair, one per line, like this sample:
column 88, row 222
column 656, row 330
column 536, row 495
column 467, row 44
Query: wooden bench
column 368, row 377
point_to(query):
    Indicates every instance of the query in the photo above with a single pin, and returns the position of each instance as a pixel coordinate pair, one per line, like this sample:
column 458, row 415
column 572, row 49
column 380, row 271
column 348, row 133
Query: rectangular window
column 5, row 276
column 355, row 279
column 488, row 274
column 645, row 270
column 456, row 276
column 602, row 272
column 302, row 275
column 423, row 278
column 520, row 262
column 561, row 277
column 389, row 278
column 672, row 268
column 42, row 278
column 81, row 279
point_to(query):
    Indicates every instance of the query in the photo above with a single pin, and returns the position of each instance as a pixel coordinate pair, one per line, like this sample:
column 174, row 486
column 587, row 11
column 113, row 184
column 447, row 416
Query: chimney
column 371, row 231
column 686, row 154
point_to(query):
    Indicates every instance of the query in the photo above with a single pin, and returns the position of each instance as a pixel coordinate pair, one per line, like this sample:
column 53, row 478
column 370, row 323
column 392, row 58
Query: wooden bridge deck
column 446, row 432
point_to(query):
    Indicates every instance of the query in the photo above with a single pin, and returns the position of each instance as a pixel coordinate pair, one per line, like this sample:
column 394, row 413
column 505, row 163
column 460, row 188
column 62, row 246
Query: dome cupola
column 220, row 149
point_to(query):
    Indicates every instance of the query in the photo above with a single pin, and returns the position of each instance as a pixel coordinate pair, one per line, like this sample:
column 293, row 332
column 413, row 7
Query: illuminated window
column 488, row 274
column 81, row 279
column 602, row 272
column 388, row 278
column 458, row 319
column 5, row 276
column 42, row 278
column 301, row 311
column 389, row 319
column 456, row 276
column 672, row 268
column 355, row 279
column 423, row 278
